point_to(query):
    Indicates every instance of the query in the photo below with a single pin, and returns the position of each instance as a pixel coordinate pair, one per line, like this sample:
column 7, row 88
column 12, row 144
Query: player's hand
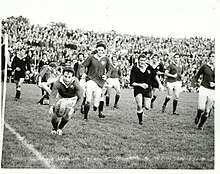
column 83, row 76
column 144, row 85
column 104, row 77
column 212, row 84
column 71, row 112
column 12, row 73
column 27, row 72
column 18, row 69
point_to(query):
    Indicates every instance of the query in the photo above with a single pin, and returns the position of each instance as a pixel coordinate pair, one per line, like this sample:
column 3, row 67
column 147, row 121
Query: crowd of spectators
column 62, row 44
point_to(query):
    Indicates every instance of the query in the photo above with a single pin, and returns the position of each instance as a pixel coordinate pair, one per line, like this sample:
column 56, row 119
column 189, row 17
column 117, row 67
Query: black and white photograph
column 109, row 85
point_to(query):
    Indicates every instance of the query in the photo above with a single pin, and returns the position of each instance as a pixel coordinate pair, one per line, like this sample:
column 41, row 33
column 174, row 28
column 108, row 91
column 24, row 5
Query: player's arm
column 42, row 73
column 195, row 79
column 170, row 75
column 79, row 95
column 53, row 94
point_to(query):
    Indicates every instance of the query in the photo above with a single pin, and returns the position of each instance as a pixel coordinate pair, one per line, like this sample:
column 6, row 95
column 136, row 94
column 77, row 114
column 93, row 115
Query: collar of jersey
column 61, row 81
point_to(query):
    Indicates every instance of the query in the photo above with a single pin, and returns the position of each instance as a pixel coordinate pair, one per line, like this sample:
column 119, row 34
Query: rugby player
column 114, row 82
column 141, row 78
column 66, row 87
column 174, row 82
column 97, row 65
column 206, row 97
column 20, row 67
column 159, row 68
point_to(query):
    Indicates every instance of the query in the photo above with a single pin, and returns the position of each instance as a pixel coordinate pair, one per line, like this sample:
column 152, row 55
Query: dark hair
column 141, row 56
column 101, row 44
column 80, row 54
column 176, row 54
column 53, row 64
column 156, row 55
column 69, row 69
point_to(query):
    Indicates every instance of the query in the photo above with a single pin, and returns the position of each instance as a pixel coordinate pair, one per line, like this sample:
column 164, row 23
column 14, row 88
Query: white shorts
column 114, row 83
column 174, row 85
column 93, row 91
column 208, row 93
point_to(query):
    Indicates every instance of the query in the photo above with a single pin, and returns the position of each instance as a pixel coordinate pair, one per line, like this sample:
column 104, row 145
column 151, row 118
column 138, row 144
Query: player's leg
column 107, row 96
column 138, row 99
column 54, row 121
column 169, row 95
column 154, row 96
column 89, row 94
column 205, row 115
column 70, row 112
column 118, row 93
column 202, row 98
column 99, row 100
column 177, row 90
column 208, row 106
column 18, row 88
column 83, row 89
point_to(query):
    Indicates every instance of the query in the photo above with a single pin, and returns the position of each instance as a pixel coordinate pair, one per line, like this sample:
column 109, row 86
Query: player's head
column 176, row 58
column 101, row 49
column 155, row 58
column 211, row 58
column 68, row 74
column 114, row 59
column 142, row 60
column 80, row 57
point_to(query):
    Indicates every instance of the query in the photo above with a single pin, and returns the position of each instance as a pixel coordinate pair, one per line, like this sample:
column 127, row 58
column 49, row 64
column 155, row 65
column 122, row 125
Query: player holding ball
column 66, row 98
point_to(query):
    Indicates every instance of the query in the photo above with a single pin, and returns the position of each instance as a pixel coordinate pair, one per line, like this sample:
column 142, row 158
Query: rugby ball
column 61, row 108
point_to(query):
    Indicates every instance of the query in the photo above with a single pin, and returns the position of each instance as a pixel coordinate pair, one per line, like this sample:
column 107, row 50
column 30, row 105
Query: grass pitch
column 164, row 141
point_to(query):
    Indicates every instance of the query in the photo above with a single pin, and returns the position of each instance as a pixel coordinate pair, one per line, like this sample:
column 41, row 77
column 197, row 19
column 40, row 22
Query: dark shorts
column 145, row 92
column 19, row 75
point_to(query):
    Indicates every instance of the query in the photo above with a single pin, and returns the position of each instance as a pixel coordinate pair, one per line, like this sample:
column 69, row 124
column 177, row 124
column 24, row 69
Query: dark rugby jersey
column 173, row 69
column 208, row 75
column 115, row 72
column 72, row 90
column 23, row 64
column 97, row 68
column 142, row 77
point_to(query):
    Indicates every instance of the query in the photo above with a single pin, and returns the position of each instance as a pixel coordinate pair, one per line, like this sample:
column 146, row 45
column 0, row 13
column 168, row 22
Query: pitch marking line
column 30, row 147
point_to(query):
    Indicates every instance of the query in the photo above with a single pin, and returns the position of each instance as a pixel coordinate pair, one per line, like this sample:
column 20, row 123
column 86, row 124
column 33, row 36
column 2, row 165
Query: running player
column 97, row 67
column 159, row 68
column 46, row 78
column 20, row 67
column 206, row 90
column 114, row 82
column 66, row 87
column 174, row 82
column 141, row 78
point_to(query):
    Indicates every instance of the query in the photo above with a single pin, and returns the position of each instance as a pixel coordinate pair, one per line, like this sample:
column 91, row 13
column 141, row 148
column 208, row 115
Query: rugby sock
column 175, row 101
column 86, row 110
column 62, row 123
column 54, row 123
column 101, row 104
column 199, row 113
column 117, row 97
column 107, row 100
column 203, row 119
column 166, row 101
column 84, row 100
column 140, row 117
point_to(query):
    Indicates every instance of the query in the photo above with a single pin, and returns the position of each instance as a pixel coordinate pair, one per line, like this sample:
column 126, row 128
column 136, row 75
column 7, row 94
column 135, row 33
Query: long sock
column 101, row 104
column 86, row 110
column 62, row 123
column 199, row 113
column 175, row 102
column 203, row 119
column 117, row 97
column 107, row 100
column 84, row 100
column 166, row 101
column 140, row 117
column 54, row 123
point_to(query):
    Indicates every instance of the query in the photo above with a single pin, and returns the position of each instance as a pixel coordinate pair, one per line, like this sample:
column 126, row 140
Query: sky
column 175, row 18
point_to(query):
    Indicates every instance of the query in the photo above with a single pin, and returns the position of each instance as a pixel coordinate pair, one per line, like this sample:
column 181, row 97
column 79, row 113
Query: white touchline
column 30, row 147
